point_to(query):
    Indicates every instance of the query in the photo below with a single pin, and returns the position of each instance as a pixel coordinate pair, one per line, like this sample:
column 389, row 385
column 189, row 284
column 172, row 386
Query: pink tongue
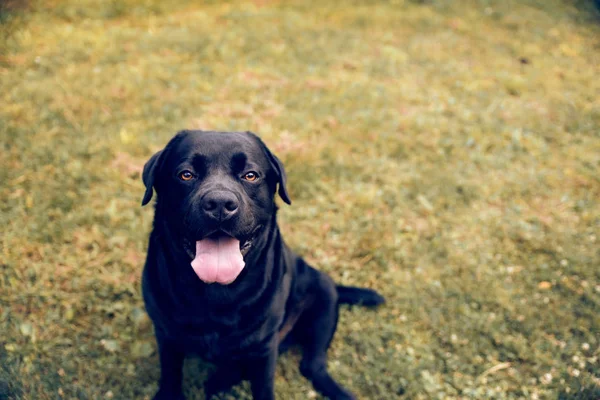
column 218, row 260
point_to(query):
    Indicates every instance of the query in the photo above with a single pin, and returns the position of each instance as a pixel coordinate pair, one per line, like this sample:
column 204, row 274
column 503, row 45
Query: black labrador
column 220, row 282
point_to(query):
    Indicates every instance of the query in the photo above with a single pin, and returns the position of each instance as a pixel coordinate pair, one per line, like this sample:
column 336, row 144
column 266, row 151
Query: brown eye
column 186, row 175
column 251, row 176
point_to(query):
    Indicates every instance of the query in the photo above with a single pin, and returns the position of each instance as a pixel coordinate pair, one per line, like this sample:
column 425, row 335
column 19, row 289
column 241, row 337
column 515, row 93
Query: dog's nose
column 220, row 205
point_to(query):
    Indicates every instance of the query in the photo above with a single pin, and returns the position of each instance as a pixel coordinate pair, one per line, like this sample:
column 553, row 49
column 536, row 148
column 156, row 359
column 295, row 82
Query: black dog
column 220, row 282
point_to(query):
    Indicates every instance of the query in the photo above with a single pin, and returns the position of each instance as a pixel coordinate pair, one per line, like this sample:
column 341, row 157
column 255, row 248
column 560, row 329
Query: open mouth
column 219, row 256
column 245, row 242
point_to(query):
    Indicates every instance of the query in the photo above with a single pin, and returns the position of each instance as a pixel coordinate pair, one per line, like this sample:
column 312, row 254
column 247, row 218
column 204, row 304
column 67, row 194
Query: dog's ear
column 154, row 164
column 278, row 166
column 150, row 169
column 279, row 170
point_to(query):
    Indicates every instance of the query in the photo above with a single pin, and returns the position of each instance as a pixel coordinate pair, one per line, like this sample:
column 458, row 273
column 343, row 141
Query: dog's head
column 216, row 190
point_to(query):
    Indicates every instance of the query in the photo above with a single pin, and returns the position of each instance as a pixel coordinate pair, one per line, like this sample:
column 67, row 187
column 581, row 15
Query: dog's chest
column 215, row 337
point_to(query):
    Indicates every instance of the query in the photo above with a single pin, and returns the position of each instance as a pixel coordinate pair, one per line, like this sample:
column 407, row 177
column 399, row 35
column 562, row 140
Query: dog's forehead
column 219, row 145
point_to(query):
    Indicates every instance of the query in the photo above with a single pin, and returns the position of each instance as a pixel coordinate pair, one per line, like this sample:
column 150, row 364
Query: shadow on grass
column 8, row 6
column 10, row 384
column 588, row 392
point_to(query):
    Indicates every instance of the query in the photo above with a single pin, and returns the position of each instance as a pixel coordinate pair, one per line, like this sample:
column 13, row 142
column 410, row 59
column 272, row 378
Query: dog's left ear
column 279, row 170
column 278, row 166
column 150, row 169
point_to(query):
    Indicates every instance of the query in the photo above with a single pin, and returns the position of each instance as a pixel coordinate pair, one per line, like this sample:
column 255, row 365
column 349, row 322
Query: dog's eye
column 186, row 175
column 251, row 176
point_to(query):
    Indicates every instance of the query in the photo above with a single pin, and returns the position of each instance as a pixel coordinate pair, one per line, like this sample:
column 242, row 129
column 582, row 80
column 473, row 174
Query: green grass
column 446, row 154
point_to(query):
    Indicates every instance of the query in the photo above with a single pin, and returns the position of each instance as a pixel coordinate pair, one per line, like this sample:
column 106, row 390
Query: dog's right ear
column 154, row 165
column 150, row 169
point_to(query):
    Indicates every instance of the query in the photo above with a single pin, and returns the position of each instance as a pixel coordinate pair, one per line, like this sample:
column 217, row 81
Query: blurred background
column 444, row 153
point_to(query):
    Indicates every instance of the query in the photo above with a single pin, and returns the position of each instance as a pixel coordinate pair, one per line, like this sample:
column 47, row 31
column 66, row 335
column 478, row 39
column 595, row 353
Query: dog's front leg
column 262, row 376
column 171, row 370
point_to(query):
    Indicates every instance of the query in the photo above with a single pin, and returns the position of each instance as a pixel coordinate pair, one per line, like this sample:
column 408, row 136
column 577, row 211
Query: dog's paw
column 211, row 393
column 168, row 395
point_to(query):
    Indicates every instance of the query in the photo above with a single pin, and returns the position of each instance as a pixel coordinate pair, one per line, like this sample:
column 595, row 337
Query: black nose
column 220, row 205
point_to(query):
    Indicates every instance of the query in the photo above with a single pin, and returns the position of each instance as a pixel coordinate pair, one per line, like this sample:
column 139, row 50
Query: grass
column 446, row 154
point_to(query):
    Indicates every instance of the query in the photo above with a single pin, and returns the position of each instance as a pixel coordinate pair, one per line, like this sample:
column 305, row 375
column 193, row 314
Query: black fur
column 277, row 300
column 353, row 295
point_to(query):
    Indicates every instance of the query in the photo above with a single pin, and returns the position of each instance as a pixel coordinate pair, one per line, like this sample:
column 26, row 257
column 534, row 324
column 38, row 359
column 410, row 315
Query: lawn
column 446, row 154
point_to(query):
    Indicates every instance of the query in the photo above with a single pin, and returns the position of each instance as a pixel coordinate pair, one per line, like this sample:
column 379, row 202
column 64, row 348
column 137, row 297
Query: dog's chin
column 246, row 240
